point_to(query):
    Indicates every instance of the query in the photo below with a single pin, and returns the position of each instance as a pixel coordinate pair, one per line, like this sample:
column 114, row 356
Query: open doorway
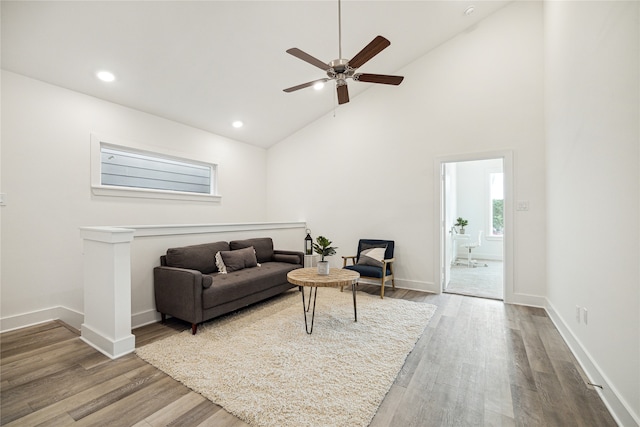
column 472, row 196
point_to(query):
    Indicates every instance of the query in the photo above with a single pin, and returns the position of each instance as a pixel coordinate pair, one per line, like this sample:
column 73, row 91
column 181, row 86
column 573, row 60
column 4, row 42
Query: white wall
column 45, row 174
column 593, row 186
column 368, row 171
column 472, row 204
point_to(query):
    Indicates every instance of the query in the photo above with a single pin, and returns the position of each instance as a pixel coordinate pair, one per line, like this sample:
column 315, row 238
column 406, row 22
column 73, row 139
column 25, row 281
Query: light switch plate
column 522, row 205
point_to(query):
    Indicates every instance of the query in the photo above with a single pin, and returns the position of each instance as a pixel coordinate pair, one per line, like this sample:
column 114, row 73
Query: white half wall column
column 107, row 290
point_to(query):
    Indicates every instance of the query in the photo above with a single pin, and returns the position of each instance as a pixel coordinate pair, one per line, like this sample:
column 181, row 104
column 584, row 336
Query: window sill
column 494, row 237
column 153, row 194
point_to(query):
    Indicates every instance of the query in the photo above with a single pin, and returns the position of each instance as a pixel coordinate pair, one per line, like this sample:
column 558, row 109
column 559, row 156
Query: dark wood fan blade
column 343, row 94
column 378, row 78
column 308, row 58
column 376, row 46
column 303, row 85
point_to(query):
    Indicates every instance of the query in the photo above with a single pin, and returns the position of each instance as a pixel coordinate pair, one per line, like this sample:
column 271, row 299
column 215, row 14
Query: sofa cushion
column 196, row 257
column 262, row 245
column 229, row 261
column 239, row 284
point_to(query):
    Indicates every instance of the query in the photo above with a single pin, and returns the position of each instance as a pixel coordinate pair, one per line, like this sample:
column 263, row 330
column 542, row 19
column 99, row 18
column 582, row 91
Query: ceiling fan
column 342, row 69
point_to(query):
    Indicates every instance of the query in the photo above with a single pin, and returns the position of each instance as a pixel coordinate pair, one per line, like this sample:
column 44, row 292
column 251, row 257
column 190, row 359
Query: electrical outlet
column 585, row 316
column 578, row 313
column 522, row 205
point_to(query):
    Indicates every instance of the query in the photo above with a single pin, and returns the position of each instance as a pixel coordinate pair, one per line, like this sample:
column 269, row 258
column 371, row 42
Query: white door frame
column 439, row 229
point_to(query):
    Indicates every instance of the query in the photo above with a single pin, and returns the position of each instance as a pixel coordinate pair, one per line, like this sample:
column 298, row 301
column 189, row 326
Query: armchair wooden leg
column 194, row 328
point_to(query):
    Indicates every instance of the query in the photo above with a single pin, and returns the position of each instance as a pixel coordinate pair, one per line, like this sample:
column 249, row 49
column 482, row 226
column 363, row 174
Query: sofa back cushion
column 196, row 257
column 262, row 245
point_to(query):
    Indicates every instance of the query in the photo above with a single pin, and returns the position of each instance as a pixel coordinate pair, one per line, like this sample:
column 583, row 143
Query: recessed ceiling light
column 469, row 10
column 106, row 76
column 237, row 124
column 318, row 85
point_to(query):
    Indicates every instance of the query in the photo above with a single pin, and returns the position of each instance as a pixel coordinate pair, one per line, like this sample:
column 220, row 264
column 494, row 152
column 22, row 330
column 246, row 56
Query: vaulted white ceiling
column 208, row 63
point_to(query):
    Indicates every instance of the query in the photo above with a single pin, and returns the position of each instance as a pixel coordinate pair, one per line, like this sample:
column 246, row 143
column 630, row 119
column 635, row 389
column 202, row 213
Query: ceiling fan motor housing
column 339, row 69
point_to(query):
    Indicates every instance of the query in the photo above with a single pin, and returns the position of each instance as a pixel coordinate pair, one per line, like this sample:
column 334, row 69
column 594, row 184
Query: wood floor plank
column 148, row 376
column 497, row 396
column 478, row 362
column 137, row 406
column 173, row 411
column 518, row 362
column 393, row 400
column 35, row 341
column 57, row 409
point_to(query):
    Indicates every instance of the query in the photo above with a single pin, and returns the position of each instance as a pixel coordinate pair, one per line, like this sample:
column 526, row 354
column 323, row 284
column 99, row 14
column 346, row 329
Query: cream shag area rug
column 260, row 364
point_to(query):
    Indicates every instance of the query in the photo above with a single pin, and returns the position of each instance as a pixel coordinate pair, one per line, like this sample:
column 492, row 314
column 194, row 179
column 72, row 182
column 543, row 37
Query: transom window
column 128, row 169
column 119, row 170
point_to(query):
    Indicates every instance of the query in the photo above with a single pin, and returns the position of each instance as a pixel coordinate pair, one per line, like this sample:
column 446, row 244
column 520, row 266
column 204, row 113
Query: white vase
column 323, row 268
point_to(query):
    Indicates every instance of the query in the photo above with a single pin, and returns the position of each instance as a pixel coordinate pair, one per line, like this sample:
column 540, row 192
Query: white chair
column 472, row 245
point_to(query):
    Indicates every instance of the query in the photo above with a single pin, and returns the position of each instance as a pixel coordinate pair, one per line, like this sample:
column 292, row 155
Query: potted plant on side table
column 323, row 247
column 462, row 223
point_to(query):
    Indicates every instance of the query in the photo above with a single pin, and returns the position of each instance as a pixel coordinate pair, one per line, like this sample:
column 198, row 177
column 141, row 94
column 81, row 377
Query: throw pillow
column 372, row 257
column 220, row 263
column 229, row 261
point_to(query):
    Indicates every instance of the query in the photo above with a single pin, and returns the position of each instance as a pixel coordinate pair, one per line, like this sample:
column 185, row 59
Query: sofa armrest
column 298, row 254
column 178, row 292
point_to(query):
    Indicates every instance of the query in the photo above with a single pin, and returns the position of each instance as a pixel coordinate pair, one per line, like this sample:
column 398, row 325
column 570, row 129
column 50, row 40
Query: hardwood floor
column 479, row 362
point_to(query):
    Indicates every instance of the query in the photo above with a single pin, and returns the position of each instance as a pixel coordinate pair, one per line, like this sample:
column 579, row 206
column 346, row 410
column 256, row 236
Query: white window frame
column 97, row 188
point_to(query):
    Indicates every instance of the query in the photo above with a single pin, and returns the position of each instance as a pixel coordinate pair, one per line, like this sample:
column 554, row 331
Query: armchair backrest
column 372, row 243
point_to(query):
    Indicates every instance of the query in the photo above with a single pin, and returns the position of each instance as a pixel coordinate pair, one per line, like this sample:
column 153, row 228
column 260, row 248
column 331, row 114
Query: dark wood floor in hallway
column 479, row 363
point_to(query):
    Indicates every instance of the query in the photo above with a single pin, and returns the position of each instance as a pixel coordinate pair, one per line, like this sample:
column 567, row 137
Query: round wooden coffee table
column 309, row 277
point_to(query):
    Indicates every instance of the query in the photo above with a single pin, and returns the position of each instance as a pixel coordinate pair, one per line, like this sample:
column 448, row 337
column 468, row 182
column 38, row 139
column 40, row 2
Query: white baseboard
column 67, row 315
column 71, row 317
column 617, row 406
column 107, row 345
column 144, row 318
column 526, row 299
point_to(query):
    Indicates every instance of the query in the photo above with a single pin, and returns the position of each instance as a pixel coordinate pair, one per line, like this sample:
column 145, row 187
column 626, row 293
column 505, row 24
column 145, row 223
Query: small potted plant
column 323, row 247
column 462, row 223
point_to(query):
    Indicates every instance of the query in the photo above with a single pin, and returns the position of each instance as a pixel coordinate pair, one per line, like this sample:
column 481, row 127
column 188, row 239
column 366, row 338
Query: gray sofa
column 190, row 285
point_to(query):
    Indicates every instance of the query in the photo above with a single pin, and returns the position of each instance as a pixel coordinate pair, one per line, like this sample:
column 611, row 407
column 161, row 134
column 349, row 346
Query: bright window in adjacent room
column 132, row 172
column 496, row 203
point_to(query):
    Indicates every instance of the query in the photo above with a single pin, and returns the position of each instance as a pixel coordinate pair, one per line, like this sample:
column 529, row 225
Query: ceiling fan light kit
column 342, row 69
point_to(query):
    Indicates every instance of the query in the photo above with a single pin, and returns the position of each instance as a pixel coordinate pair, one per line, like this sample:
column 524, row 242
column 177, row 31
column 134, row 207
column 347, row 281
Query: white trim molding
column 70, row 317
